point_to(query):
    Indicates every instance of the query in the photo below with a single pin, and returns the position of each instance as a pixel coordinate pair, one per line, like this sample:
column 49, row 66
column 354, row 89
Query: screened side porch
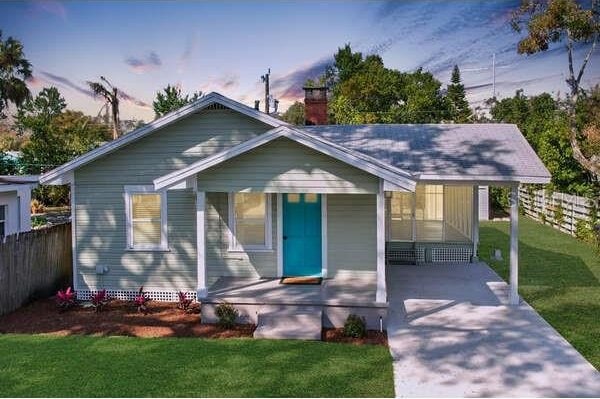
column 436, row 223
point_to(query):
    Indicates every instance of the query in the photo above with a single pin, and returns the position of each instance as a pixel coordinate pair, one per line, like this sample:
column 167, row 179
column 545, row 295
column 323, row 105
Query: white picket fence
column 559, row 210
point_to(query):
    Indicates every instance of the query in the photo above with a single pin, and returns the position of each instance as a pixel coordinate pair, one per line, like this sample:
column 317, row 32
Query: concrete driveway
column 452, row 334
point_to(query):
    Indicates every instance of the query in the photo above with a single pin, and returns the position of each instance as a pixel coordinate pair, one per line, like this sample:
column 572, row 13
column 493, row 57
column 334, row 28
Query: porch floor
column 358, row 291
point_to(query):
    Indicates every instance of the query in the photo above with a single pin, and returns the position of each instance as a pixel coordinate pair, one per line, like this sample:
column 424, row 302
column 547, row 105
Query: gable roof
column 166, row 120
column 359, row 160
column 15, row 182
column 449, row 152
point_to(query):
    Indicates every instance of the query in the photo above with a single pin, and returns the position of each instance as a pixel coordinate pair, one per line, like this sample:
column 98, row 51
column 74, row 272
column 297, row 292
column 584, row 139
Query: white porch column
column 381, row 295
column 475, row 223
column 201, row 289
column 514, row 246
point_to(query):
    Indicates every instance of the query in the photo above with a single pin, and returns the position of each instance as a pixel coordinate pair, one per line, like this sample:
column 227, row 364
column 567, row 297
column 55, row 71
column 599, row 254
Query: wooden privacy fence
column 561, row 211
column 34, row 264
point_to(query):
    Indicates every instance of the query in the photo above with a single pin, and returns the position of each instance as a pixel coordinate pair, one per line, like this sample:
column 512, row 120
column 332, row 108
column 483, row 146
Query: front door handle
column 285, row 237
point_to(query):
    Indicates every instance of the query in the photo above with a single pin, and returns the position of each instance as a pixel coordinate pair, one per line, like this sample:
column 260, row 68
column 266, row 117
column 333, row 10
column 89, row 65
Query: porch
column 336, row 298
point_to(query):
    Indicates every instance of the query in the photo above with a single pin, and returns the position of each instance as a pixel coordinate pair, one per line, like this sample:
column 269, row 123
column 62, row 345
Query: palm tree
column 111, row 95
column 14, row 70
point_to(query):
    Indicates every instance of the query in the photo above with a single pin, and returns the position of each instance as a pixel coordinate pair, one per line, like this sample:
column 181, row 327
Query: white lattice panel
column 451, row 254
column 125, row 295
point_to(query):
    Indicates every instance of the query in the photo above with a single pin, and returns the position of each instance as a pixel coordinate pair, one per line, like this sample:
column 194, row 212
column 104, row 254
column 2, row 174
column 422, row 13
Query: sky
column 226, row 46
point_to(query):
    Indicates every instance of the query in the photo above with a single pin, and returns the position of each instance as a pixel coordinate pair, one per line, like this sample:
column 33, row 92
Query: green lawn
column 35, row 365
column 558, row 275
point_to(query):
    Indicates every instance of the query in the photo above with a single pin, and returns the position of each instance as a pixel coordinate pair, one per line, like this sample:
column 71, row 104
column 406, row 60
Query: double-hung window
column 146, row 212
column 250, row 221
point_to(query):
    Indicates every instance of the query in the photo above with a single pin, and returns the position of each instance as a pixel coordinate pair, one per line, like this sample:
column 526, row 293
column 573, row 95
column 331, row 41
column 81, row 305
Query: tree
column 554, row 21
column 365, row 91
column 14, row 70
column 111, row 95
column 171, row 99
column 294, row 114
column 457, row 98
column 57, row 136
column 545, row 126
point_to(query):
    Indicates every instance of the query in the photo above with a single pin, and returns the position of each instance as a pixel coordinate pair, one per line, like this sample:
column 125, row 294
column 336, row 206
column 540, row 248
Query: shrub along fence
column 570, row 214
column 34, row 264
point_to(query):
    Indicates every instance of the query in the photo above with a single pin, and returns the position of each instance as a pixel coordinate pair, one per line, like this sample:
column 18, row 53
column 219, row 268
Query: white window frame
column 131, row 190
column 234, row 244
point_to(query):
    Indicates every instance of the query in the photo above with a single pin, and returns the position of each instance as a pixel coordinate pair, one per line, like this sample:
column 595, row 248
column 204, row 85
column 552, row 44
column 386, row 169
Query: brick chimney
column 315, row 105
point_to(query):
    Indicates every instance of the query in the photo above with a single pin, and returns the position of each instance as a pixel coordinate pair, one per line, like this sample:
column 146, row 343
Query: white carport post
column 514, row 246
column 201, row 290
column 381, row 295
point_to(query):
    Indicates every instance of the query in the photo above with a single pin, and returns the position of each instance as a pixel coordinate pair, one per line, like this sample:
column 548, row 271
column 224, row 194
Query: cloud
column 34, row 81
column 64, row 82
column 289, row 86
column 148, row 62
column 189, row 50
column 52, row 7
column 225, row 82
column 84, row 89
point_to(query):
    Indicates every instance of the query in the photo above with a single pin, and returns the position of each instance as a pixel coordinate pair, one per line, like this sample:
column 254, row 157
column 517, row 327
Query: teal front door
column 302, row 235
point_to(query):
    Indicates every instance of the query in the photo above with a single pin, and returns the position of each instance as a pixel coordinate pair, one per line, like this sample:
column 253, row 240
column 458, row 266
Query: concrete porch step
column 289, row 322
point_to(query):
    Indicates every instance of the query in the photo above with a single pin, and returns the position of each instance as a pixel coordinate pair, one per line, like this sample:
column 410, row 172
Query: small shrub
column 141, row 300
column 227, row 315
column 37, row 206
column 184, row 302
column 99, row 300
column 499, row 198
column 355, row 326
column 66, row 299
column 559, row 214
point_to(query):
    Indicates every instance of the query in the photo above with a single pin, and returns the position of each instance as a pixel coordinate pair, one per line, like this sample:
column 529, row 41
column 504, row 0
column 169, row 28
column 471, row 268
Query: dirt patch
column 373, row 337
column 118, row 318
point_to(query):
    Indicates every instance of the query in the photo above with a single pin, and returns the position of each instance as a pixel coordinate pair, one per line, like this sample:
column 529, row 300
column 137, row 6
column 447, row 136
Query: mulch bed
column 118, row 318
column 373, row 337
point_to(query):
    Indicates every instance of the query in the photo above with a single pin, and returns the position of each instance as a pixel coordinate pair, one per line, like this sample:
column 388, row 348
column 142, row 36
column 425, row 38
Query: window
column 250, row 221
column 146, row 213
column 401, row 216
column 429, row 212
column 2, row 220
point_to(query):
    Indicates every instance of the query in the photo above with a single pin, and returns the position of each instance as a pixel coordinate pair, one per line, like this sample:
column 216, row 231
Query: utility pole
column 493, row 75
column 265, row 79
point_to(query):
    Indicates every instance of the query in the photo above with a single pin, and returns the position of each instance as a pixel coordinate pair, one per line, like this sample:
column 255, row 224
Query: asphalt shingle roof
column 443, row 151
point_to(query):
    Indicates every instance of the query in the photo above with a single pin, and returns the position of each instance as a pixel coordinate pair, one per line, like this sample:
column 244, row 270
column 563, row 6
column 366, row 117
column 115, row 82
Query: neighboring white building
column 15, row 198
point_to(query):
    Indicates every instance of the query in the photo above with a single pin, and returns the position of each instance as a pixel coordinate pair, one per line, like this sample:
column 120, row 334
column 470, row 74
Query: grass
column 85, row 366
column 558, row 275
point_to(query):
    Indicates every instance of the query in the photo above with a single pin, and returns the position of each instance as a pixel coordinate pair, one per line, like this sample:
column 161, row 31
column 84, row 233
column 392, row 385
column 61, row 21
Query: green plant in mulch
column 355, row 326
column 227, row 315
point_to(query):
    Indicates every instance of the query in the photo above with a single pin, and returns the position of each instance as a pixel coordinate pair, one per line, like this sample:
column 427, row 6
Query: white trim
column 483, row 180
column 74, row 253
column 368, row 164
column 381, row 295
column 324, row 260
column 137, row 189
column 279, row 235
column 54, row 175
column 234, row 245
column 475, row 221
column 513, row 298
column 201, row 288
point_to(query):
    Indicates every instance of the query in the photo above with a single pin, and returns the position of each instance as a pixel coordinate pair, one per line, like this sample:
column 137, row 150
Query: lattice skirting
column 161, row 296
column 451, row 254
column 425, row 253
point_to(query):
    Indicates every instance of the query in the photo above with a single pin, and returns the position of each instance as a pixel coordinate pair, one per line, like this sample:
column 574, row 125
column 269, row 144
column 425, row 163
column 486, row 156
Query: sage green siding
column 100, row 212
column 351, row 233
column 285, row 166
column 219, row 260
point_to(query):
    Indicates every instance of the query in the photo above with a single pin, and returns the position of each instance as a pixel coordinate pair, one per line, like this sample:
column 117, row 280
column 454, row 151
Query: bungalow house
column 15, row 198
column 221, row 201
